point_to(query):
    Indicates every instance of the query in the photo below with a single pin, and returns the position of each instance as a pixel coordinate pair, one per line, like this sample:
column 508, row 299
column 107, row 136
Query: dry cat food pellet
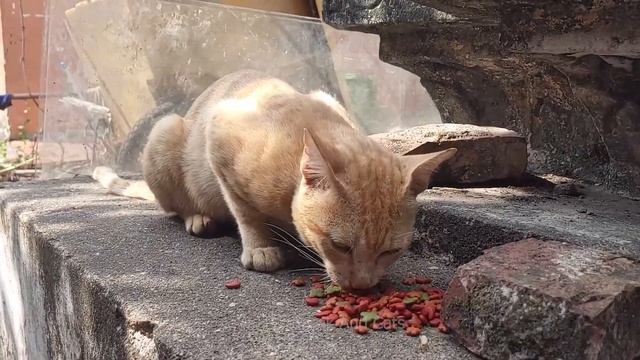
column 361, row 329
column 312, row 301
column 298, row 282
column 232, row 284
column 411, row 310
column 413, row 331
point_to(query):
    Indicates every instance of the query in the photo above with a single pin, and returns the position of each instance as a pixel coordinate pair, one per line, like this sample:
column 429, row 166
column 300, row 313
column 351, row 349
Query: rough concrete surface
column 484, row 154
column 94, row 276
column 461, row 223
column 536, row 299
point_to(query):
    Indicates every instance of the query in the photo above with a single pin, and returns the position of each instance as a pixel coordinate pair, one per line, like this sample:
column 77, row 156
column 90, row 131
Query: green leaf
column 410, row 300
column 332, row 289
column 315, row 292
column 424, row 296
column 369, row 316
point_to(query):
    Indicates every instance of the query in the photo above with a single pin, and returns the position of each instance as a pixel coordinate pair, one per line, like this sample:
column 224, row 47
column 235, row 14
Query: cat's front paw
column 197, row 224
column 265, row 259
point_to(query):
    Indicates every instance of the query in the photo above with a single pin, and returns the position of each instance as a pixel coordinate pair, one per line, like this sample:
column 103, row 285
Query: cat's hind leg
column 163, row 172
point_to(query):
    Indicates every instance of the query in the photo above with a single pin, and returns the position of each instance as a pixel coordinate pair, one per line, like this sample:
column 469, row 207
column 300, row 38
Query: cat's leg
column 162, row 167
column 259, row 251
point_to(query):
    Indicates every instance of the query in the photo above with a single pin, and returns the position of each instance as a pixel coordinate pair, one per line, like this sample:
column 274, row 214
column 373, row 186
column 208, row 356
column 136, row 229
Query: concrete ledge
column 88, row 275
column 461, row 223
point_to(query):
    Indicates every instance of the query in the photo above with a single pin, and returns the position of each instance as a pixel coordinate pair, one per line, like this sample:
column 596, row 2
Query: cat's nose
column 362, row 281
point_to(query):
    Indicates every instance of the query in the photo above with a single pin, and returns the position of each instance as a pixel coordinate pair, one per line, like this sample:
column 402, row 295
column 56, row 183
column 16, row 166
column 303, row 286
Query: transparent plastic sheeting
column 113, row 66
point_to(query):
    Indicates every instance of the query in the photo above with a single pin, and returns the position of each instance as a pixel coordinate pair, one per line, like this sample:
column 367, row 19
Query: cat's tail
column 123, row 187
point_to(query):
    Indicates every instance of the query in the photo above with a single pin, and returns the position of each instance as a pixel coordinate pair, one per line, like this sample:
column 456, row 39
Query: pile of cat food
column 392, row 310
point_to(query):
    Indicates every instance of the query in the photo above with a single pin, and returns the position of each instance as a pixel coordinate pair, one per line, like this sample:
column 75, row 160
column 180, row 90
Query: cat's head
column 355, row 206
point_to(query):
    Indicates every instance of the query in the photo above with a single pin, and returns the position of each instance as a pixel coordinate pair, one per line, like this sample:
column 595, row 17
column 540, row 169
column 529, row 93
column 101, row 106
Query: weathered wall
column 565, row 74
column 24, row 116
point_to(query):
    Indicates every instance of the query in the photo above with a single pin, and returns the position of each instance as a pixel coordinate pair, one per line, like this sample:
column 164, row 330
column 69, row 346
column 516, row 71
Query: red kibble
column 423, row 280
column 415, row 321
column 409, row 281
column 317, row 285
column 407, row 314
column 412, row 331
column 322, row 313
column 435, row 322
column 341, row 322
column 312, row 301
column 361, row 329
column 326, row 307
column 395, row 300
column 232, row 284
column 428, row 312
column 443, row 328
column 298, row 282
column 387, row 314
column 400, row 306
column 315, row 279
column 417, row 307
column 388, row 325
column 331, row 318
column 331, row 301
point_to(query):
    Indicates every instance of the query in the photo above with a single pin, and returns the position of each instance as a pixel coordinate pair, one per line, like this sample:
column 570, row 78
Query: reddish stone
column 534, row 299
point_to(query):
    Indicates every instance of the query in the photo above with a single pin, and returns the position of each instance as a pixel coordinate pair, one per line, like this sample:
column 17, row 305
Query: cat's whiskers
column 294, row 238
column 404, row 234
column 305, row 254
column 308, row 270
column 302, row 253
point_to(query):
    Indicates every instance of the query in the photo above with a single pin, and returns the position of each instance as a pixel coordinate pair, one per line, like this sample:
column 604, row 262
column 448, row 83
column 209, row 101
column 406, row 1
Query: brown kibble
column 422, row 280
column 232, row 284
column 298, row 282
column 409, row 281
column 412, row 331
column 361, row 329
column 341, row 322
column 443, row 328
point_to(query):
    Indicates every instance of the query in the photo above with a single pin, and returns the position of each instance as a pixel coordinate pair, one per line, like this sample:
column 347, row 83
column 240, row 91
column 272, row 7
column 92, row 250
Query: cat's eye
column 390, row 252
column 341, row 247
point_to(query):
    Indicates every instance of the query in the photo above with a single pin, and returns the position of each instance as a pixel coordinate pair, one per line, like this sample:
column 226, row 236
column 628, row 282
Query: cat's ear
column 315, row 170
column 421, row 167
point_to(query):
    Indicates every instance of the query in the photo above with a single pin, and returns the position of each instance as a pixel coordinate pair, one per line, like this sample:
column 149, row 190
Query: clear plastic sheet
column 114, row 66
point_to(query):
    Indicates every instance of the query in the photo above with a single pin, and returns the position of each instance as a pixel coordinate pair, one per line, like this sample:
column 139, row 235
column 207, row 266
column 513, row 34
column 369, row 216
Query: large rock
column 562, row 73
column 546, row 300
column 484, row 153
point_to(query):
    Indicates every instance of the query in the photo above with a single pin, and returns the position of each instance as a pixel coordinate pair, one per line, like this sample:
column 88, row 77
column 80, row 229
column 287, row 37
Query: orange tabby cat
column 254, row 149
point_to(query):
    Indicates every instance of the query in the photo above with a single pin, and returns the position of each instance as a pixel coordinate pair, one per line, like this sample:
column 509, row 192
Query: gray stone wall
column 565, row 74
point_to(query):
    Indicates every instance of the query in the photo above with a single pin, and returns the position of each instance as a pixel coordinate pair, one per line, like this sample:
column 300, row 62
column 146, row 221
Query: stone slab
column 546, row 300
column 484, row 153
